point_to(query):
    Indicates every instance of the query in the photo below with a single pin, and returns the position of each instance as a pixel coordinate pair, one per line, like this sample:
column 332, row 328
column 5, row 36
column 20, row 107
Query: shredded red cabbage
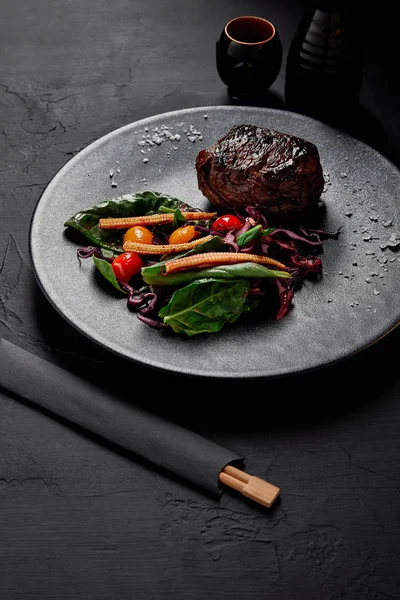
column 286, row 295
column 153, row 322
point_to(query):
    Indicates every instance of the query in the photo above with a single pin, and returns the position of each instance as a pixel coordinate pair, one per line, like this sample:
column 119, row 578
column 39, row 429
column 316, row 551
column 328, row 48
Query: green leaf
column 153, row 275
column 249, row 236
column 179, row 219
column 205, row 306
column 129, row 205
column 106, row 270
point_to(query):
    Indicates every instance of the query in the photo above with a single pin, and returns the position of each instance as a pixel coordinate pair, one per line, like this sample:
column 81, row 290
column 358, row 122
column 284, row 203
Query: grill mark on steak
column 253, row 166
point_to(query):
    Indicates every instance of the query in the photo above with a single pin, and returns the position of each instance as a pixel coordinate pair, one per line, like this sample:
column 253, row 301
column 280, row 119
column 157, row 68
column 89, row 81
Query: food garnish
column 157, row 219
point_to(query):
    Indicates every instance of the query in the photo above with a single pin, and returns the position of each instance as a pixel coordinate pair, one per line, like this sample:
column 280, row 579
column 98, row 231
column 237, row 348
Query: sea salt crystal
column 145, row 160
column 376, row 292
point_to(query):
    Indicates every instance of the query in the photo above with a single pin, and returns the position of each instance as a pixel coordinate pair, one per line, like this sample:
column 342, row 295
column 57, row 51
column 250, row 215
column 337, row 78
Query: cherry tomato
column 126, row 265
column 139, row 234
column 183, row 234
column 226, row 222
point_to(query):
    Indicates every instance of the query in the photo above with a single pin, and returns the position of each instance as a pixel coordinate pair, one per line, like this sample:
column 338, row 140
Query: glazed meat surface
column 253, row 166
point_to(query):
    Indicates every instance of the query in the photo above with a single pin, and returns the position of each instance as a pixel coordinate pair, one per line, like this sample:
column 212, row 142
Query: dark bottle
column 324, row 65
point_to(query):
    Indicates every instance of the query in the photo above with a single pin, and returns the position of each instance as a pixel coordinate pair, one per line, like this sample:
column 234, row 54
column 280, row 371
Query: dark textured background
column 79, row 520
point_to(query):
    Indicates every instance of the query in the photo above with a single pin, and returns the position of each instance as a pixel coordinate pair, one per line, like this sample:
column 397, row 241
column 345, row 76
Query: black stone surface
column 80, row 520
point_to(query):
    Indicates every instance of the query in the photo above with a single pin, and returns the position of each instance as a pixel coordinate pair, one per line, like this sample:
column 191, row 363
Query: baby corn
column 157, row 219
column 212, row 259
column 164, row 248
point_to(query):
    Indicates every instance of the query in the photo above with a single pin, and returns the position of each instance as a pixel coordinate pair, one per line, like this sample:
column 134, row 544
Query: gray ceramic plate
column 354, row 304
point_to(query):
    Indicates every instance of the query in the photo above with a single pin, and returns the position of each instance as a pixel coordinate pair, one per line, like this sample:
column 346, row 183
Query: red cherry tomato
column 226, row 222
column 126, row 265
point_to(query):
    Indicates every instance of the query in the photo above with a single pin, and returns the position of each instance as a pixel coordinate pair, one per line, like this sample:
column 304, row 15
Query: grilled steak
column 251, row 166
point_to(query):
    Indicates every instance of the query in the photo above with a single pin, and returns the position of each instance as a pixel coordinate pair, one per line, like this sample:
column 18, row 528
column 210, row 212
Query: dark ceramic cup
column 249, row 56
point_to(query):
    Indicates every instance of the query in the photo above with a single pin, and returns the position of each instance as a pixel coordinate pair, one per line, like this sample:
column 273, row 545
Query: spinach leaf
column 106, row 270
column 205, row 305
column 252, row 234
column 130, row 205
column 249, row 236
column 179, row 219
column 153, row 275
